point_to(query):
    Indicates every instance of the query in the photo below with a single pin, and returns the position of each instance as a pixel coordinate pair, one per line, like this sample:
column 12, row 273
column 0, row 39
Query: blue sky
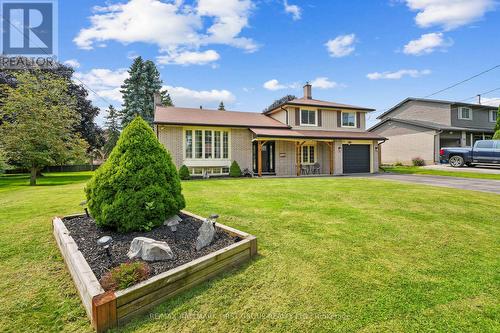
column 250, row 52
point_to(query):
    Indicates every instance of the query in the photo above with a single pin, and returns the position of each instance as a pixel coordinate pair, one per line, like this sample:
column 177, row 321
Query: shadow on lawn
column 48, row 179
column 168, row 310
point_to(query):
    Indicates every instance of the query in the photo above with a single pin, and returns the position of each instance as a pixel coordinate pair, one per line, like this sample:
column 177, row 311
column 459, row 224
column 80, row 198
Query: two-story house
column 299, row 137
column 419, row 127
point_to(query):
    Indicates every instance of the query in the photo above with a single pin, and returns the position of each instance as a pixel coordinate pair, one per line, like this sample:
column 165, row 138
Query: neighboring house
column 302, row 136
column 419, row 127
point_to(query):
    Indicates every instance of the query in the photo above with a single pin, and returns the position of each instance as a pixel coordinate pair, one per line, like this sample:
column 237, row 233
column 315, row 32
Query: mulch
column 85, row 233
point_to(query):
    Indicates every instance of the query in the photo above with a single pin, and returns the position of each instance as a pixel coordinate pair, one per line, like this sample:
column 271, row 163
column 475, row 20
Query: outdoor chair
column 316, row 168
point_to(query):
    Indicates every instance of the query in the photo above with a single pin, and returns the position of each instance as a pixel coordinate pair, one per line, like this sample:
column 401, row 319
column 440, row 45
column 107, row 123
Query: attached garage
column 356, row 158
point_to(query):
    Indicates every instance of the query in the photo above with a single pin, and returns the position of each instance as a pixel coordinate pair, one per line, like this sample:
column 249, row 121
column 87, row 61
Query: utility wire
column 481, row 94
column 83, row 83
column 463, row 81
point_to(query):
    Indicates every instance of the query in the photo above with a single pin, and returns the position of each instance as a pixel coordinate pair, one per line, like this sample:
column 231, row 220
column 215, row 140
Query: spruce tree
column 112, row 129
column 138, row 187
column 221, row 106
column 165, row 98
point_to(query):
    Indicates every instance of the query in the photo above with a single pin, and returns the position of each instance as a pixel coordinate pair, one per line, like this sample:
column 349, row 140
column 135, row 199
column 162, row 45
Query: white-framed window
column 308, row 118
column 464, row 113
column 493, row 116
column 206, row 144
column 349, row 119
column 308, row 154
column 214, row 171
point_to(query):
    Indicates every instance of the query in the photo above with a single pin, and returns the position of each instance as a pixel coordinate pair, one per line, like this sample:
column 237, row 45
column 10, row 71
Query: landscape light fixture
column 105, row 242
column 84, row 203
column 213, row 218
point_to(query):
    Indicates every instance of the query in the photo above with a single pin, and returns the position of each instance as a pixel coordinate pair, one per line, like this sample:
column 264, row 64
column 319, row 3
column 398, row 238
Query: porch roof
column 314, row 134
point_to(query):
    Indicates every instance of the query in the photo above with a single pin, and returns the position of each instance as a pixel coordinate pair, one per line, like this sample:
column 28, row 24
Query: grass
column 423, row 171
column 336, row 254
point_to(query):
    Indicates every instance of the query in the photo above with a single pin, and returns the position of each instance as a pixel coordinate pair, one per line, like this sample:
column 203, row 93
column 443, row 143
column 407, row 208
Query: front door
column 267, row 157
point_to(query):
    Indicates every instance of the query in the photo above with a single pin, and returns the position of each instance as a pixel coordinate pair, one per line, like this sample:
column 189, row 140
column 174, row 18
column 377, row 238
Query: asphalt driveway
column 482, row 185
column 492, row 169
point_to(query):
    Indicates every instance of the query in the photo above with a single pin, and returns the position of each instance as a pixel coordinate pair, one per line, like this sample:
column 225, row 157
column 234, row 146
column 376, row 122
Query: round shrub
column 138, row 187
column 234, row 170
column 184, row 173
column 418, row 161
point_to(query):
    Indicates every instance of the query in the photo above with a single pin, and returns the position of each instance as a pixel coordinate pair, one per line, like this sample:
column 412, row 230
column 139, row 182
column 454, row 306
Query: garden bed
column 76, row 237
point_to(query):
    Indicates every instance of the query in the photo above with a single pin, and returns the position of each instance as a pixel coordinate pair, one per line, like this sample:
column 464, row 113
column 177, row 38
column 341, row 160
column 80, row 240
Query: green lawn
column 336, row 254
column 424, row 171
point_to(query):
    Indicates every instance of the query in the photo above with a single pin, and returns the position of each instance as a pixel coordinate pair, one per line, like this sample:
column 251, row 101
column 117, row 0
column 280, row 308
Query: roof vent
column 308, row 91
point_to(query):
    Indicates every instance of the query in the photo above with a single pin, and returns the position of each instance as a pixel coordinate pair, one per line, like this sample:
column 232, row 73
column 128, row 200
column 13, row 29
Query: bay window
column 206, row 144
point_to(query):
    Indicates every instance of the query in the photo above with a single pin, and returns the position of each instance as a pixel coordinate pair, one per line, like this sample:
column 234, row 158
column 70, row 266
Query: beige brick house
column 300, row 137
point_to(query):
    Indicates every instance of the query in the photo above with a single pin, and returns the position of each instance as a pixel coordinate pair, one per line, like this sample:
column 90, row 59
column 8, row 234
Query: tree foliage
column 138, row 187
column 112, row 129
column 138, row 91
column 497, row 125
column 497, row 135
column 41, row 116
column 86, row 126
column 165, row 98
column 235, row 170
column 221, row 107
column 279, row 102
column 3, row 161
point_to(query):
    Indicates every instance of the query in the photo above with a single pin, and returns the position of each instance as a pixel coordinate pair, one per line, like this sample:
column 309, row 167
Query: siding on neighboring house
column 426, row 111
column 480, row 118
column 406, row 142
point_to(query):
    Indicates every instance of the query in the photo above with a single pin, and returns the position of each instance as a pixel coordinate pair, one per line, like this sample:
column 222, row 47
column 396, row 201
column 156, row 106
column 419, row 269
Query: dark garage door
column 356, row 158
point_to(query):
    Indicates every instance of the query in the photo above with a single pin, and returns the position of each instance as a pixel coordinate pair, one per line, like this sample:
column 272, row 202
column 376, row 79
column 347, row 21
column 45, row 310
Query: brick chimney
column 308, row 91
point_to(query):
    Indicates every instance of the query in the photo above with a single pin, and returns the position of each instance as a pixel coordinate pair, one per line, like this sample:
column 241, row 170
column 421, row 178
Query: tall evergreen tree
column 221, row 106
column 138, row 91
column 165, row 98
column 112, row 129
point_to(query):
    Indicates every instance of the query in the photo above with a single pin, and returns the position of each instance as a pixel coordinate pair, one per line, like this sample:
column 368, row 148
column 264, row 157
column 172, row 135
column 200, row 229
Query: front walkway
column 478, row 168
column 482, row 185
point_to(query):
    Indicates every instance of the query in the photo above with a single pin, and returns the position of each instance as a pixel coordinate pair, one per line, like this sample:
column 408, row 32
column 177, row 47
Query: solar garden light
column 105, row 242
column 213, row 218
column 84, row 203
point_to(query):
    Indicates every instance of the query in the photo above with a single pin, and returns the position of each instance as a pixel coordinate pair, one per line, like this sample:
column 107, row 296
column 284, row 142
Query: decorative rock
column 206, row 234
column 149, row 250
column 172, row 222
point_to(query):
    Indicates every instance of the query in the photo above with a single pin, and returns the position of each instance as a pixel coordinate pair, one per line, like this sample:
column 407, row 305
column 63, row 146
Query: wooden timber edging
column 111, row 309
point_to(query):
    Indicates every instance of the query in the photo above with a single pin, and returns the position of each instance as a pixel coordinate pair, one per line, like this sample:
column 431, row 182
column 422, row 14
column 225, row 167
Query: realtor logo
column 29, row 27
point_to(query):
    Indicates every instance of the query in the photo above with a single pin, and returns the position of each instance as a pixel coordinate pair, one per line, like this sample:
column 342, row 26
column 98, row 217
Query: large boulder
column 149, row 249
column 206, row 234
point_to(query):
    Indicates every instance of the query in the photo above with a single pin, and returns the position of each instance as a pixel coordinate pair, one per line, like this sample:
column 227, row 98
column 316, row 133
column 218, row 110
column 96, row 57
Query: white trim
column 308, row 153
column 492, row 112
column 460, row 113
column 193, row 149
column 315, row 117
column 342, row 119
column 361, row 142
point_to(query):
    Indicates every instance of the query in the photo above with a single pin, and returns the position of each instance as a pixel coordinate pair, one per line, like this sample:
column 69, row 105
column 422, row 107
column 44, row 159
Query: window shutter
column 358, row 119
column 319, row 118
column 297, row 116
column 339, row 118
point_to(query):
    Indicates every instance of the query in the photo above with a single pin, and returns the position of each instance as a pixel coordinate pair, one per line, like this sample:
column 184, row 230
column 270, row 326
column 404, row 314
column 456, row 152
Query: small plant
column 125, row 275
column 418, row 161
column 184, row 173
column 398, row 164
column 234, row 170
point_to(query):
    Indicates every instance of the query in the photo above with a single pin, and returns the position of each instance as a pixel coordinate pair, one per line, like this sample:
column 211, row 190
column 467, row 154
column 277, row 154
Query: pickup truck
column 483, row 152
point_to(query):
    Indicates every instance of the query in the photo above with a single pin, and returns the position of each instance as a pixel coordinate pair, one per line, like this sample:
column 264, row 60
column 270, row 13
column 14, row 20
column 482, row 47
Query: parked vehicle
column 483, row 152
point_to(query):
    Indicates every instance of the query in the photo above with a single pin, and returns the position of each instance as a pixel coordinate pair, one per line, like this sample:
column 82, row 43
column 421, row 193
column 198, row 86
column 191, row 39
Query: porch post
column 330, row 154
column 297, row 158
column 259, row 158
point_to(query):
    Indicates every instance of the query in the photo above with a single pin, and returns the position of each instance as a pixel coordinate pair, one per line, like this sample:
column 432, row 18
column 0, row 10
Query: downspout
column 434, row 153
column 287, row 115
column 380, row 155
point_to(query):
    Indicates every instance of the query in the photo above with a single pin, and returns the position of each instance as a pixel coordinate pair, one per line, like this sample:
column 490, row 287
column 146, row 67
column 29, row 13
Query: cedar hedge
column 138, row 187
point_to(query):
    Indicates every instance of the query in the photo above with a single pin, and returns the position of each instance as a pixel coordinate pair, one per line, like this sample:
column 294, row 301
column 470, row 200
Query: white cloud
column 185, row 97
column 341, row 46
column 276, row 85
column 72, row 63
column 495, row 101
column 323, row 83
column 105, row 82
column 189, row 58
column 174, row 27
column 449, row 14
column 427, row 43
column 398, row 74
column 294, row 10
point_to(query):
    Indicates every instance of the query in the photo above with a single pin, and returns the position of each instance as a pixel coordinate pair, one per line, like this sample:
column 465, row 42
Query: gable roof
column 318, row 103
column 205, row 117
column 429, row 125
column 438, row 101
